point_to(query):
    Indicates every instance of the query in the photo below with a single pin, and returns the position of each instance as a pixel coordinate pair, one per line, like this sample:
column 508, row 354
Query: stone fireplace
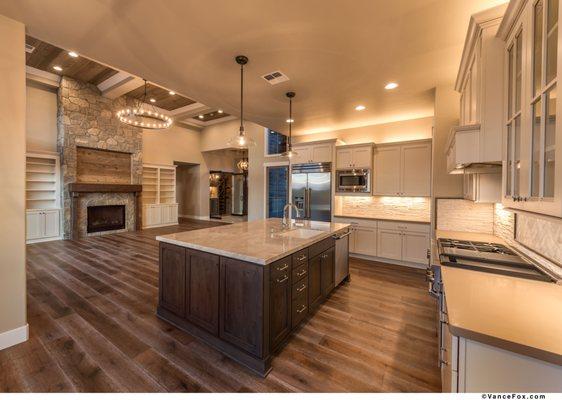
column 101, row 158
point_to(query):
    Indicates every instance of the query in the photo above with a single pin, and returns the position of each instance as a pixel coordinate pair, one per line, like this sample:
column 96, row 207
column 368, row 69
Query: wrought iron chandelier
column 142, row 115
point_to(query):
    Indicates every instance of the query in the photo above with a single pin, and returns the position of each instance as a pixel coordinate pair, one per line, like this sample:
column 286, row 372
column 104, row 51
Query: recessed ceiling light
column 391, row 85
column 73, row 54
column 172, row 93
column 360, row 108
column 290, row 120
column 57, row 68
column 153, row 100
column 220, row 111
column 201, row 116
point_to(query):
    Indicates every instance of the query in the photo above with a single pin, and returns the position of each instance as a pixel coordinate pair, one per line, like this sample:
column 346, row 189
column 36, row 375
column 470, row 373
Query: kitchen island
column 243, row 288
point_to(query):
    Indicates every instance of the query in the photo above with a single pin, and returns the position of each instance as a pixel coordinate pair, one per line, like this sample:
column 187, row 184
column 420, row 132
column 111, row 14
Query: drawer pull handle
column 283, row 268
column 301, row 288
column 281, row 280
column 302, row 309
column 302, row 258
column 302, row 273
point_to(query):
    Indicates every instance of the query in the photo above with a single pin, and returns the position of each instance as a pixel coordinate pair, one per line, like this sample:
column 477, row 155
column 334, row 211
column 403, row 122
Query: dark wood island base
column 247, row 311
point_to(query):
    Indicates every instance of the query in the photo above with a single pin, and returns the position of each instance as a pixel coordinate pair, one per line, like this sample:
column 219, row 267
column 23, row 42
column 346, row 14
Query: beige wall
column 41, row 118
column 188, row 187
column 12, row 175
column 413, row 129
column 446, row 116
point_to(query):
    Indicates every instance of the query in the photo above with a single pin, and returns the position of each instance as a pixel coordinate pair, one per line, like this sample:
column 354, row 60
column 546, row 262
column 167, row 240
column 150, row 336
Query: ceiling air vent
column 275, row 77
column 29, row 48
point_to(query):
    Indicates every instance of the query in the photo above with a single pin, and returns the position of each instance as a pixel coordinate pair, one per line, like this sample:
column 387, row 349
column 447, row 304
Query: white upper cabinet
column 313, row 153
column 354, row 156
column 403, row 169
column 480, row 82
column 532, row 179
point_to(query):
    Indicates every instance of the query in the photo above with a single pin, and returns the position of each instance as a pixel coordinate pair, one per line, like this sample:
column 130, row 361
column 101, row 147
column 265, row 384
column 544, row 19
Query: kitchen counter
column 515, row 314
column 382, row 218
column 260, row 242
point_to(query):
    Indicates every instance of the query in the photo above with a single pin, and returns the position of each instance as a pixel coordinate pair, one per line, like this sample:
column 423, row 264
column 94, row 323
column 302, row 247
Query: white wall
column 12, row 180
column 41, row 118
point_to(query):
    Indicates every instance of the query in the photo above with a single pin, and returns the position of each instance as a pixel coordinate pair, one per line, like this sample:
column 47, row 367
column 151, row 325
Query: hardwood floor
column 93, row 328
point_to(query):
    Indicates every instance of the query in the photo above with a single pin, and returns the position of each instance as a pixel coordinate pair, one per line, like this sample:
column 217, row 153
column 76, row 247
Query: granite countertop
column 260, row 242
column 383, row 218
column 515, row 314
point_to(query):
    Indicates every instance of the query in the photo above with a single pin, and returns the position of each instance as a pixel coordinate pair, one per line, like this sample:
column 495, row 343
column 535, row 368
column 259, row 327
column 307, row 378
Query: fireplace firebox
column 106, row 218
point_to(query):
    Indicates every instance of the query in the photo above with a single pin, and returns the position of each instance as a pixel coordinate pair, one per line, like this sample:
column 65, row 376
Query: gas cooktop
column 487, row 257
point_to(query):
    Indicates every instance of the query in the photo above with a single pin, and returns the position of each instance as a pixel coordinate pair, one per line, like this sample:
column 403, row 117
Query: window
column 277, row 190
column 276, row 143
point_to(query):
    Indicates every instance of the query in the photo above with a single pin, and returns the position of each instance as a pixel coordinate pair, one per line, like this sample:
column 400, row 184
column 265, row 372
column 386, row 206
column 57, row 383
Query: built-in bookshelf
column 149, row 185
column 159, row 203
column 42, row 182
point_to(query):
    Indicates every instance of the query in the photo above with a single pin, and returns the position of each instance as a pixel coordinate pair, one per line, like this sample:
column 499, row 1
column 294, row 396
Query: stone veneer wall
column 413, row 208
column 465, row 216
column 87, row 119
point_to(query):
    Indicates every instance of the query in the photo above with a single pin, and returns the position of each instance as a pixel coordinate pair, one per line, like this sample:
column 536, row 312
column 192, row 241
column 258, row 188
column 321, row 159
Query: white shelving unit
column 159, row 205
column 42, row 196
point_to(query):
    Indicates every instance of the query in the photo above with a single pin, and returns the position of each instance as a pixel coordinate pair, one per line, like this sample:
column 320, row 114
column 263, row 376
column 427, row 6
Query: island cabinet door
column 279, row 304
column 314, row 281
column 202, row 298
column 172, row 278
column 242, row 305
column 327, row 274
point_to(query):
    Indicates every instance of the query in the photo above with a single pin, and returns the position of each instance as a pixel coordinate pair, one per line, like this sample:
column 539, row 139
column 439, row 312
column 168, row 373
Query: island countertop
column 260, row 242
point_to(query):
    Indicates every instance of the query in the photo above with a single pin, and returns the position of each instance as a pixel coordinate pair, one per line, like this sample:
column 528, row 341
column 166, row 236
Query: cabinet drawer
column 300, row 257
column 280, row 268
column 300, row 272
column 299, row 288
column 299, row 308
column 320, row 247
column 404, row 226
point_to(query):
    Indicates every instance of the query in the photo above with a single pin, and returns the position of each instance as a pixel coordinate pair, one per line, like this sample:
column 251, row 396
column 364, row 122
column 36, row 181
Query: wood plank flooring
column 93, row 328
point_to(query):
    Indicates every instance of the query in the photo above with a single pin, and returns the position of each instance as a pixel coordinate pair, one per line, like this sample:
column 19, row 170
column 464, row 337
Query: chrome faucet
column 287, row 214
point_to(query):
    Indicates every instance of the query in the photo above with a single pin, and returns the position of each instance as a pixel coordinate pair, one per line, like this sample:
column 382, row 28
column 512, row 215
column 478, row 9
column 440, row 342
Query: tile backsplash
column 464, row 216
column 412, row 208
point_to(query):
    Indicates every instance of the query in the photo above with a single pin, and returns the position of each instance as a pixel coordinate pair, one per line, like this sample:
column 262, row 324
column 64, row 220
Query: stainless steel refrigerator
column 311, row 186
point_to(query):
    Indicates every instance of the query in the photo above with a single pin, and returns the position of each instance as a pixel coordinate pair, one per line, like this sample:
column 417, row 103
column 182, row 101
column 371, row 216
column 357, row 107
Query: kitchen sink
column 301, row 233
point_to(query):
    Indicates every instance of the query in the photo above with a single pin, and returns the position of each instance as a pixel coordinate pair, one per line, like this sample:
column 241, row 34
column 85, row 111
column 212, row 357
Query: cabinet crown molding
column 511, row 15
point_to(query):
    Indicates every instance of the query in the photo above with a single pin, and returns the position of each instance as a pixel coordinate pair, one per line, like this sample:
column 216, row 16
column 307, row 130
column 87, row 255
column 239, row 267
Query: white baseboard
column 31, row 241
column 13, row 337
column 201, row 217
column 159, row 225
column 388, row 261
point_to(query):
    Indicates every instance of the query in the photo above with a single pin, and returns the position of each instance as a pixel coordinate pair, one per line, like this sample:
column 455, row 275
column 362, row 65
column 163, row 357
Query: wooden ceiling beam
column 119, row 84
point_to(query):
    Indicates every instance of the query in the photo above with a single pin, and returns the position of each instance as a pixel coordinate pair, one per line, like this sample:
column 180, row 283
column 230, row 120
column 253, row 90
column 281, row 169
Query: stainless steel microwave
column 353, row 181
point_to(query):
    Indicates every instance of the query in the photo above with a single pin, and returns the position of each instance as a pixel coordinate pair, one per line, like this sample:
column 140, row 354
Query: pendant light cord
column 290, row 122
column 241, row 99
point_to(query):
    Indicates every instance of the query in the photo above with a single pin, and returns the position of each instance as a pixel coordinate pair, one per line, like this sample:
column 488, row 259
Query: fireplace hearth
column 106, row 218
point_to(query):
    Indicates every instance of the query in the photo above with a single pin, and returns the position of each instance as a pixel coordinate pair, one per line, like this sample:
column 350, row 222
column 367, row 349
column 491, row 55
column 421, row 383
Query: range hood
column 469, row 150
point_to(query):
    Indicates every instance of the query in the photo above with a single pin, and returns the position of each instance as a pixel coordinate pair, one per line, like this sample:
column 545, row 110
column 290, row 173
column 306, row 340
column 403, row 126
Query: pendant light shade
column 290, row 152
column 241, row 141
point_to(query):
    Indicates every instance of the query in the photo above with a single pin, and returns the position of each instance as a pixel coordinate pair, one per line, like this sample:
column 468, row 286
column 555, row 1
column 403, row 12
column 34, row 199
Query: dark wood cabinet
column 241, row 304
column 280, row 309
column 314, row 281
column 202, row 290
column 172, row 278
column 328, row 270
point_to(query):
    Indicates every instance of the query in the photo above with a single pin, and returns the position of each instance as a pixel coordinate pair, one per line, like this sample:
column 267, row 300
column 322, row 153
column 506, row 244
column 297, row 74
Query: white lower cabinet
column 42, row 225
column 154, row 215
column 401, row 241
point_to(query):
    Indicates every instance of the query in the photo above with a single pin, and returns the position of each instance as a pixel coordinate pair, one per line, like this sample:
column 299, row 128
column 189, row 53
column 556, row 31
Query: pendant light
column 241, row 141
column 290, row 153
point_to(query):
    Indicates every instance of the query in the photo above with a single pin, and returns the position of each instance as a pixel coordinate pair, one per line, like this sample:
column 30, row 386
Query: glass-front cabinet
column 532, row 177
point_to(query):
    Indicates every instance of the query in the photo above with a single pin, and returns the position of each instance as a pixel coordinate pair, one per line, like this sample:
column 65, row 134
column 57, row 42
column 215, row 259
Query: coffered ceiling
column 337, row 54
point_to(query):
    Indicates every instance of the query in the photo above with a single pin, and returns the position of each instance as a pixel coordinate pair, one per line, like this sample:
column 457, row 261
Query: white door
column 414, row 247
column 389, row 244
column 303, row 155
column 365, row 241
column 52, row 222
column 35, row 225
column 344, row 158
column 416, row 170
column 322, row 153
column 362, row 157
column 387, row 171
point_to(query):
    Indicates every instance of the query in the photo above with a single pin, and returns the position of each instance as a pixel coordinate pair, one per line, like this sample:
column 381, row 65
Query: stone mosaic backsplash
column 464, row 216
column 411, row 208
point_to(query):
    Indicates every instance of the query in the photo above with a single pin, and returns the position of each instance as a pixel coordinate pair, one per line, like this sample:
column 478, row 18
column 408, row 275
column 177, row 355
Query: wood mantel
column 76, row 188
